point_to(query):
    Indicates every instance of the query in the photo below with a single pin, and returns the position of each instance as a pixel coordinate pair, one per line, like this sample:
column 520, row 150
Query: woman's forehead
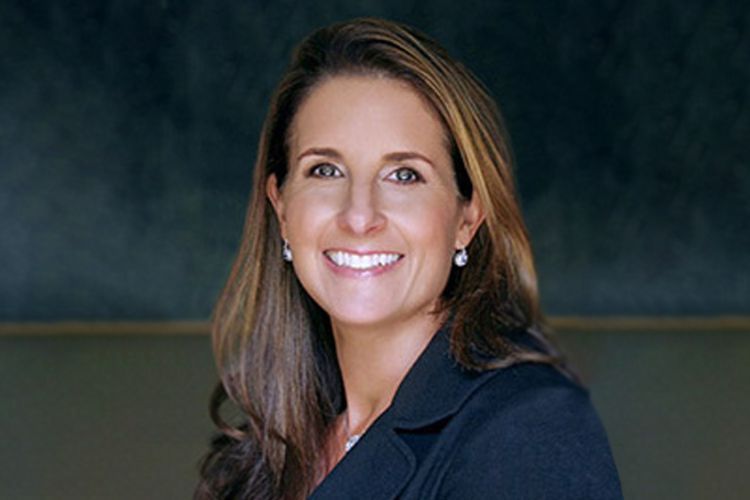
column 367, row 113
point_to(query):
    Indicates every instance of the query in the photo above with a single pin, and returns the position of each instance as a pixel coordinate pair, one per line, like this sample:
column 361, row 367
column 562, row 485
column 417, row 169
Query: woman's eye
column 406, row 176
column 325, row 170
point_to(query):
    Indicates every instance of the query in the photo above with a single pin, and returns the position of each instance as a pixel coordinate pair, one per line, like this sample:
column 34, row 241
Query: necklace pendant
column 350, row 442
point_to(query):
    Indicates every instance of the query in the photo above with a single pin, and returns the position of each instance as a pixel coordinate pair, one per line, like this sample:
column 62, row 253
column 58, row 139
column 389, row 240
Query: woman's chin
column 361, row 318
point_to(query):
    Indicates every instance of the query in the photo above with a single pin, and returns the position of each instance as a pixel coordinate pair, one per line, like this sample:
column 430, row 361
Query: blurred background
column 127, row 137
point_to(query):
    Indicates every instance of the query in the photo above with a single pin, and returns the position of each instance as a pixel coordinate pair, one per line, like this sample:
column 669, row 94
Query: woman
column 380, row 332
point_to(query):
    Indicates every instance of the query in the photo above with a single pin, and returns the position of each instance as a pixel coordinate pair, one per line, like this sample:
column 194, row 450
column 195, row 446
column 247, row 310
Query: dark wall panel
column 127, row 135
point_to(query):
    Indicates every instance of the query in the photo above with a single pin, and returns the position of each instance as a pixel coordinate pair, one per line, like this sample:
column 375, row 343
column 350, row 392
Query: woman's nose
column 360, row 213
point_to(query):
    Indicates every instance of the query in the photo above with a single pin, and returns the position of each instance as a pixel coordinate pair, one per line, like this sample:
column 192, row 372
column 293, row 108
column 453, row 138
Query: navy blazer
column 524, row 432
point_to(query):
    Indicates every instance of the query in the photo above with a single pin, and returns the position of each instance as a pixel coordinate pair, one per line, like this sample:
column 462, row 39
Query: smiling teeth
column 343, row 259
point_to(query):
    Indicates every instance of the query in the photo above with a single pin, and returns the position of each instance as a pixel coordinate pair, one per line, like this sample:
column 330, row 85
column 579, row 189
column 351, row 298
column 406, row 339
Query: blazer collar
column 381, row 463
column 435, row 387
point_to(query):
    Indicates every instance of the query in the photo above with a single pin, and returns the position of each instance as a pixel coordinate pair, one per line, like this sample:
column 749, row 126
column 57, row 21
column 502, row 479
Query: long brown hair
column 273, row 343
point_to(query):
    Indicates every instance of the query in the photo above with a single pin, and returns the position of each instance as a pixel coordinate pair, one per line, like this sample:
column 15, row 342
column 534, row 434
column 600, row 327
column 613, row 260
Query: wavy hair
column 274, row 345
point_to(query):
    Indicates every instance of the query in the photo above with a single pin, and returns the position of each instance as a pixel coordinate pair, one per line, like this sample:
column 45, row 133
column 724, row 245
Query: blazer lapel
column 377, row 467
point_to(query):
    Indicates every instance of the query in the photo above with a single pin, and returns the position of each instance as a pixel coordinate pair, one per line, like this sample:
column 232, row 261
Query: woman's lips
column 361, row 264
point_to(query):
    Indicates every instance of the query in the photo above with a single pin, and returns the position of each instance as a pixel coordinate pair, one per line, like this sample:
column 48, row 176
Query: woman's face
column 370, row 205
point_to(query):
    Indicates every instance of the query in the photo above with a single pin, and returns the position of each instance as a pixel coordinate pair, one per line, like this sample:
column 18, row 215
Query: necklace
column 351, row 441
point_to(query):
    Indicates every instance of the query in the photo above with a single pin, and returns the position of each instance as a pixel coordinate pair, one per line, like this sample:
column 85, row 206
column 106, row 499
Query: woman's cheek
column 425, row 212
column 310, row 208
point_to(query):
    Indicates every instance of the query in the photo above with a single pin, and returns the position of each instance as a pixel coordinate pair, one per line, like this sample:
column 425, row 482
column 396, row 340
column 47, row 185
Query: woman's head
column 382, row 51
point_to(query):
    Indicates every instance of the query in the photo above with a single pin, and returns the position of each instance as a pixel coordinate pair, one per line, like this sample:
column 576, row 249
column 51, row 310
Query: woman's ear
column 277, row 201
column 472, row 216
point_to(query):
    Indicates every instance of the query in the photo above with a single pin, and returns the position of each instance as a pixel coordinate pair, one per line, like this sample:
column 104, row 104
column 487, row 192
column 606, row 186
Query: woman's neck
column 374, row 361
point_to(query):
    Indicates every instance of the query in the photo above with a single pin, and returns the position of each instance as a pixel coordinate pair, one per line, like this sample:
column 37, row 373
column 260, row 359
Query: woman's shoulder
column 527, row 394
column 528, row 431
column 529, row 387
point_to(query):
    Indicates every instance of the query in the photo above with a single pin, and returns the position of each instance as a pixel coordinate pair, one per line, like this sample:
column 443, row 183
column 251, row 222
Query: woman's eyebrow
column 329, row 152
column 407, row 155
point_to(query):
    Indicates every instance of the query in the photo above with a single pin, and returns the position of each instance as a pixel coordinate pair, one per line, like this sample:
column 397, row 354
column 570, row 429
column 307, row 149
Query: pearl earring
column 461, row 257
column 286, row 252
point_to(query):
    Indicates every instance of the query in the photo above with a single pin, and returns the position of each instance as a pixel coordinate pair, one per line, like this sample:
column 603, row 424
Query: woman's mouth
column 358, row 262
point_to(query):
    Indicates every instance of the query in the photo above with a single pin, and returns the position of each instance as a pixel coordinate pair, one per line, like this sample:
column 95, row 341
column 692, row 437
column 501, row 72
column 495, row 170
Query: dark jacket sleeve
column 545, row 442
